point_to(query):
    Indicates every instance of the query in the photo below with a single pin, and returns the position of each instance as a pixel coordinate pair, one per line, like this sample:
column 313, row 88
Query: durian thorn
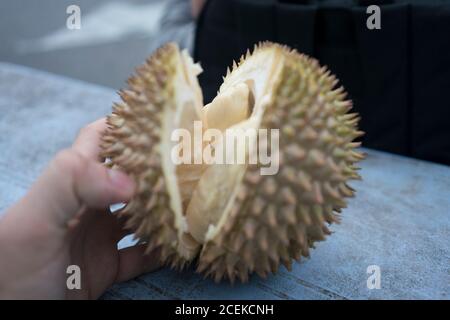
column 355, row 156
column 113, row 121
column 248, row 258
column 318, row 213
column 219, row 273
column 349, row 119
column 332, row 81
column 106, row 140
column 344, row 131
column 289, row 174
column 117, row 108
column 304, row 181
column 318, row 197
column 352, row 145
column 339, row 153
column 282, row 235
column 317, row 158
column 295, row 151
column 356, row 176
column 345, row 190
column 304, row 213
column 202, row 266
column 357, row 134
column 272, row 253
column 288, row 196
column 242, row 59
column 271, row 216
column 231, row 277
column 326, row 230
column 343, row 106
column 352, row 122
column 308, row 134
column 289, row 214
column 348, row 170
column 234, row 65
column 253, row 177
column 243, row 276
column 287, row 264
column 127, row 95
column 261, row 273
column 333, row 166
column 114, row 149
column 337, row 91
column 257, row 207
column 250, row 229
column 331, row 191
column 262, row 240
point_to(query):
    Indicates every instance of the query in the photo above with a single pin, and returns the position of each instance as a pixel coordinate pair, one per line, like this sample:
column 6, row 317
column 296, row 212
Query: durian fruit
column 229, row 218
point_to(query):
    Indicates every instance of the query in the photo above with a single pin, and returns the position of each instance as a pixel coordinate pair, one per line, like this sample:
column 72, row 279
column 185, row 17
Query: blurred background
column 115, row 36
column 397, row 75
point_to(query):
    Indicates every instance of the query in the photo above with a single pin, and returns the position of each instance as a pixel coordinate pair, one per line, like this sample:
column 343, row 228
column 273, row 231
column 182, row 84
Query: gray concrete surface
column 399, row 220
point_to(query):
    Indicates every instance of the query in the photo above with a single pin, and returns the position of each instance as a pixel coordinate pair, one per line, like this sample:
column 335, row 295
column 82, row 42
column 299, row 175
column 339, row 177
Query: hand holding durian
column 59, row 241
column 230, row 218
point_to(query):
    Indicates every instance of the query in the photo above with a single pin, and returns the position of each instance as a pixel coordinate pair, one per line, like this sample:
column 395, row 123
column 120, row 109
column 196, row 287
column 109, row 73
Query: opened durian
column 230, row 217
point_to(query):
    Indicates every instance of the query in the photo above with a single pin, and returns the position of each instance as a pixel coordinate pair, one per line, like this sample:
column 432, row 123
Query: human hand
column 65, row 220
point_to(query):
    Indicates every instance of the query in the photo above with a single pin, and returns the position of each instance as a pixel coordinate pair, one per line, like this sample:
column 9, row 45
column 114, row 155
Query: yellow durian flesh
column 236, row 220
column 228, row 108
column 217, row 188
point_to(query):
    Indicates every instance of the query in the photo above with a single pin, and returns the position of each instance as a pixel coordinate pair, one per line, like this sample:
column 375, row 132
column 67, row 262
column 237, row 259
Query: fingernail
column 121, row 181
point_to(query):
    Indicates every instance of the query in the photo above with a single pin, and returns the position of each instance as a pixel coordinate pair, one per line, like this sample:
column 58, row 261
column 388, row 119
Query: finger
column 88, row 141
column 133, row 262
column 72, row 182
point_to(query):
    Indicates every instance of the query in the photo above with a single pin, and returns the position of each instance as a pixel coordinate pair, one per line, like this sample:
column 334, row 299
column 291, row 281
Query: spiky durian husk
column 275, row 219
column 132, row 143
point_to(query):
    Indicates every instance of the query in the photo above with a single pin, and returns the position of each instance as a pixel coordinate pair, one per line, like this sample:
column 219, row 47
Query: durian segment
column 164, row 95
column 228, row 108
column 274, row 219
column 216, row 189
column 209, row 207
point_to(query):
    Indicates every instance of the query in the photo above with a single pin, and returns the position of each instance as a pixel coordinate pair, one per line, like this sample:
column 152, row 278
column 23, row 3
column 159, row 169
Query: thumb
column 72, row 182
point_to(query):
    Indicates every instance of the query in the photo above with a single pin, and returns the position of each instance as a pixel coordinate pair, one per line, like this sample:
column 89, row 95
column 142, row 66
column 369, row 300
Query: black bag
column 398, row 76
